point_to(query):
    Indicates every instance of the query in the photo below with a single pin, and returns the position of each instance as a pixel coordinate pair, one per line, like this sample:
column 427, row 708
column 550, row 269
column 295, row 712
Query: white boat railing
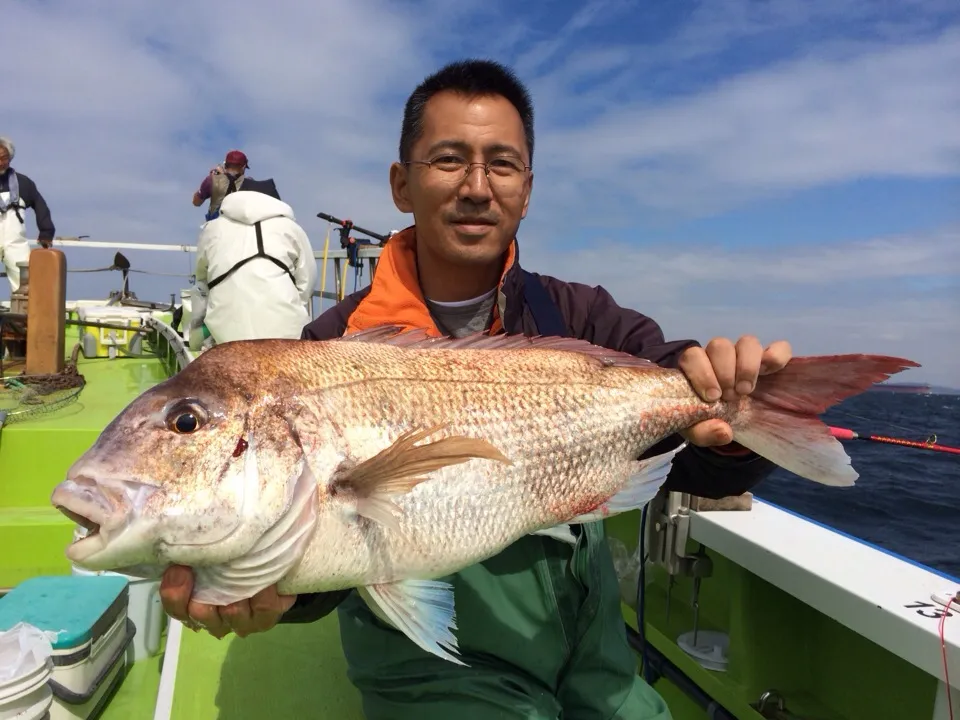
column 368, row 255
column 175, row 342
column 163, row 708
column 895, row 603
column 160, row 247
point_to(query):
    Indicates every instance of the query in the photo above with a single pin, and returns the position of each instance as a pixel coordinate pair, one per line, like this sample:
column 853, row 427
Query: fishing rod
column 345, row 226
column 930, row 444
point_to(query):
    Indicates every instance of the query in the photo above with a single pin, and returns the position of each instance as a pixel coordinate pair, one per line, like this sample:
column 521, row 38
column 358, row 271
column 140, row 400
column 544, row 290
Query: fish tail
column 780, row 421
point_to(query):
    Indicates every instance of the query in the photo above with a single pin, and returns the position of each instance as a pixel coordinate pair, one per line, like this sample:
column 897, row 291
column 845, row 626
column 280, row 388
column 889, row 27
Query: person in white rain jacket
column 255, row 272
column 18, row 193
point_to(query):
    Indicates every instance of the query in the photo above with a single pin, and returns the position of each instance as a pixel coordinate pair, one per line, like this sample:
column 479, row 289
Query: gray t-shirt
column 463, row 318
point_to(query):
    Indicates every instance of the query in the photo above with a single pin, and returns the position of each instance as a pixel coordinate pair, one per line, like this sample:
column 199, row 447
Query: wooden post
column 731, row 502
column 46, row 312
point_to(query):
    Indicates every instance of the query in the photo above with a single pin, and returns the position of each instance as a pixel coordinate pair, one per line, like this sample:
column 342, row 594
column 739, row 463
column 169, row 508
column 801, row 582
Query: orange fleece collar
column 395, row 297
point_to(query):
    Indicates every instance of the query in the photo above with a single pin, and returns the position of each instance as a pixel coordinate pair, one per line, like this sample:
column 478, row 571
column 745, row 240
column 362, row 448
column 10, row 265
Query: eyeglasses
column 503, row 173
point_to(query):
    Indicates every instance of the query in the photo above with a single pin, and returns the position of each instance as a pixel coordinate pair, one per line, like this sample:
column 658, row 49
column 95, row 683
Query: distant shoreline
column 915, row 389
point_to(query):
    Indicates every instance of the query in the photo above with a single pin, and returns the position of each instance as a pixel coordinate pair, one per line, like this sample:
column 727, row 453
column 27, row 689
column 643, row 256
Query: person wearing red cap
column 222, row 180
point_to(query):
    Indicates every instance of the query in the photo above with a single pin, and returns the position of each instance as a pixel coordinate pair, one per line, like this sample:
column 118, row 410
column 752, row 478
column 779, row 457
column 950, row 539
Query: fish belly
column 460, row 516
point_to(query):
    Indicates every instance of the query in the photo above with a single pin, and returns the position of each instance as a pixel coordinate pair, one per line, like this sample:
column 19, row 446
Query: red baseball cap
column 235, row 157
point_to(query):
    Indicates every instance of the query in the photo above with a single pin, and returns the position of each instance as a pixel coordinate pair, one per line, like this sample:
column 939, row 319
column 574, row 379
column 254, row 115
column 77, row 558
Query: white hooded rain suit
column 257, row 292
column 18, row 193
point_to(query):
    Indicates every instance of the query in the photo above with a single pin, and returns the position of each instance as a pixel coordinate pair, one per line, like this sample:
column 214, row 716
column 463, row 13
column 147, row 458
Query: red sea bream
column 385, row 460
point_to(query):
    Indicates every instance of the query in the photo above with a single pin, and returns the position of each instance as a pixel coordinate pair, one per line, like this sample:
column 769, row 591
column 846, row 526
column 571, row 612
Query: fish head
column 193, row 471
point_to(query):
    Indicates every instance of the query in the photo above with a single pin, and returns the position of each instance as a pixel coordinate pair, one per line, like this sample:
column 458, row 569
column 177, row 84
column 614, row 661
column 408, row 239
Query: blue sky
column 789, row 168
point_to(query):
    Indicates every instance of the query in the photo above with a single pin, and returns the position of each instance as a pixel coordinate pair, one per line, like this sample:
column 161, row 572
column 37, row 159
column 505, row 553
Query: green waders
column 539, row 626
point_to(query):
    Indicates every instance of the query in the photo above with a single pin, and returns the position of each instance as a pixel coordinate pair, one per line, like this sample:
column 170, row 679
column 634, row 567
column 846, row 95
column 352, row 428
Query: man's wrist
column 734, row 449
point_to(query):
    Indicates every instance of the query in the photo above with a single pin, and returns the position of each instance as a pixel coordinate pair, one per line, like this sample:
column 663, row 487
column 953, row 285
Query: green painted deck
column 293, row 671
column 135, row 698
column 35, row 454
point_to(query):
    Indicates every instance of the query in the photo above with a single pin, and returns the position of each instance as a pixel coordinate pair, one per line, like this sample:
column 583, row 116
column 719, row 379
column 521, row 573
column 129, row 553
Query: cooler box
column 107, row 342
column 89, row 655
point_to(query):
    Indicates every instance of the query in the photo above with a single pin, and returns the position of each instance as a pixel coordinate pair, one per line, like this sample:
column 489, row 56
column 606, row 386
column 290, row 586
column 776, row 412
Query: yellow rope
column 323, row 272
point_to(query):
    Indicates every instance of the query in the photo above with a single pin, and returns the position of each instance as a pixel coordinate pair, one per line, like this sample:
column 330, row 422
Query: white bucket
column 27, row 696
column 31, row 707
column 144, row 609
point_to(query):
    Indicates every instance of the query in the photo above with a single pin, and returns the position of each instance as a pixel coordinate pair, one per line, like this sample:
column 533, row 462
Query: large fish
column 385, row 460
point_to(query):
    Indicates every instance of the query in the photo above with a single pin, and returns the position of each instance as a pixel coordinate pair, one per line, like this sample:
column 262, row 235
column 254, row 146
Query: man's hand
column 46, row 243
column 728, row 371
column 259, row 613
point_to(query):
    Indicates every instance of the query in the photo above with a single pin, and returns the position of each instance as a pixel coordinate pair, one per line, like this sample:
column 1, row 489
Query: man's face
column 4, row 159
column 466, row 219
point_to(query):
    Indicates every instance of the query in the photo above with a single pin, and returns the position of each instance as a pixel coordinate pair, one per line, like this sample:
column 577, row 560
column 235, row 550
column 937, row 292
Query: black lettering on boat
column 928, row 610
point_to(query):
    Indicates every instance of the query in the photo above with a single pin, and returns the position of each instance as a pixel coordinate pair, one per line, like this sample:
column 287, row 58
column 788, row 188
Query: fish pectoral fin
column 277, row 551
column 423, row 610
column 402, row 466
column 644, row 483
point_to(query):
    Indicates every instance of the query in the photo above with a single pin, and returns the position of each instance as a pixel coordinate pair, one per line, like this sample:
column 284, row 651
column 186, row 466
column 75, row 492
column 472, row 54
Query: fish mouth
column 102, row 509
column 85, row 507
column 91, row 527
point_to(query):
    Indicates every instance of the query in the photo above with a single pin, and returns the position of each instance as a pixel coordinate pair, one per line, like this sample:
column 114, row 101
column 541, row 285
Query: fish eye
column 186, row 422
column 185, row 418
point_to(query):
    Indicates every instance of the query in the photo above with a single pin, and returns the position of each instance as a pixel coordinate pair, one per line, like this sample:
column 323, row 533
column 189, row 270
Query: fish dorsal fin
column 418, row 339
column 403, row 465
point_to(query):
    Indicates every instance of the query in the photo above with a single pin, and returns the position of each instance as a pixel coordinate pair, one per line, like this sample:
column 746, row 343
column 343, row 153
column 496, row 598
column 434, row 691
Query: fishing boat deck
column 291, row 671
column 37, row 451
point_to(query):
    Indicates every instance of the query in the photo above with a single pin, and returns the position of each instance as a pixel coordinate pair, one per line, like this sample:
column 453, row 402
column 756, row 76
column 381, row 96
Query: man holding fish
column 540, row 623
column 448, row 445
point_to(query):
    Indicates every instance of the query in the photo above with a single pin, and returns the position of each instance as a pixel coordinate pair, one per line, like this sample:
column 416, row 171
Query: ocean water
column 906, row 500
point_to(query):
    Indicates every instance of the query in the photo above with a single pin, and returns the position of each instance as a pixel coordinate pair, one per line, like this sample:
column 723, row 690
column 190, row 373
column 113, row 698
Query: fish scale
column 384, row 460
column 462, row 390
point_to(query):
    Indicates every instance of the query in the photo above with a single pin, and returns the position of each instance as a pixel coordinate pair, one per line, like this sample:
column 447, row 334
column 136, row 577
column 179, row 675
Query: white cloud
column 898, row 295
column 884, row 112
column 809, row 264
column 123, row 127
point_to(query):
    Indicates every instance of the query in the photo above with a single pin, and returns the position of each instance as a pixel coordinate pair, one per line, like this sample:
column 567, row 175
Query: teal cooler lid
column 83, row 607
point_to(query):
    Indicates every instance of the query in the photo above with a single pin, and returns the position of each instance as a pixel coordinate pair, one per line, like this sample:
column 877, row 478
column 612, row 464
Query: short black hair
column 471, row 78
